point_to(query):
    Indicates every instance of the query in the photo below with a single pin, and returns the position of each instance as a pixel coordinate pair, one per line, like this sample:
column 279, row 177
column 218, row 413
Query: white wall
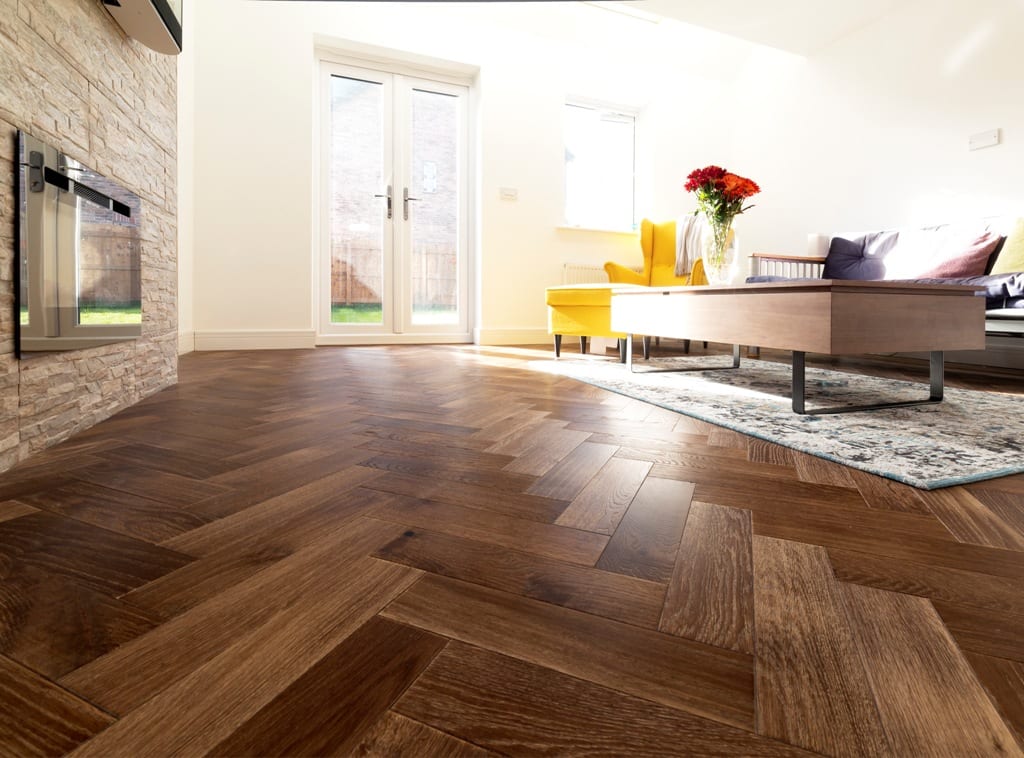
column 872, row 132
column 254, row 144
column 186, row 181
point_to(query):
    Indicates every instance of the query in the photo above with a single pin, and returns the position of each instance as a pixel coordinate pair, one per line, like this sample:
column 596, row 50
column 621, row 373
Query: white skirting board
column 186, row 342
column 523, row 336
column 255, row 339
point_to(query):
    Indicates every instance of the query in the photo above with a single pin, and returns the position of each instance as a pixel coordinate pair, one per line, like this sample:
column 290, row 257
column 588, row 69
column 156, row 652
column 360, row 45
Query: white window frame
column 613, row 110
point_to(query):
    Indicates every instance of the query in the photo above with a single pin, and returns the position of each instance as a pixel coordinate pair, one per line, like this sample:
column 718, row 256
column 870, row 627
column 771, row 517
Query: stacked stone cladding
column 69, row 76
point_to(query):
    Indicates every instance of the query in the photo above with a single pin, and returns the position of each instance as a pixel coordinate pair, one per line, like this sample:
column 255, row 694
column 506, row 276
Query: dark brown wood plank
column 711, row 593
column 548, row 449
column 11, row 509
column 570, row 545
column 568, row 477
column 189, row 462
column 1004, row 681
column 633, row 601
column 327, row 501
column 105, row 561
column 970, row 520
column 54, row 626
column 811, row 468
column 513, row 504
column 327, row 710
column 981, row 630
column 885, row 494
column 394, row 735
column 600, row 506
column 929, row 699
column 995, row 593
column 38, row 718
column 812, row 689
column 172, row 489
column 707, row 681
column 761, row 451
column 122, row 512
column 503, row 481
column 136, row 672
column 517, row 708
column 646, row 541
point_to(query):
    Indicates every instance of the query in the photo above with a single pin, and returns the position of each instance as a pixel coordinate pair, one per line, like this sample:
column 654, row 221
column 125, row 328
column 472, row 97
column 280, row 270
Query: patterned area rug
column 967, row 437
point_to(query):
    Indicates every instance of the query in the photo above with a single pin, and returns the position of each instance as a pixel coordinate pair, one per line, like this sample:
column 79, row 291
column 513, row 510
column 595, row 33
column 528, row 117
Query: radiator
column 789, row 268
column 583, row 273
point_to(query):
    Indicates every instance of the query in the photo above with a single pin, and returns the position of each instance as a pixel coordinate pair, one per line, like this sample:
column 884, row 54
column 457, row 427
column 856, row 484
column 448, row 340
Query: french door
column 394, row 208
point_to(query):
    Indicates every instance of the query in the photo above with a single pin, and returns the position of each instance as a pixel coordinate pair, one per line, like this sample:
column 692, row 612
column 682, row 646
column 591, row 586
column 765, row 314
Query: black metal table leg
column 936, row 381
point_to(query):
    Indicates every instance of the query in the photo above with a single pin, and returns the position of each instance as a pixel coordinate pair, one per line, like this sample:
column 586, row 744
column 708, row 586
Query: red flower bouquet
column 720, row 196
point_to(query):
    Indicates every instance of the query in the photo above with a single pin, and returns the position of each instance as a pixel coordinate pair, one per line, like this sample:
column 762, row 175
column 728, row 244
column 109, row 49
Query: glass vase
column 719, row 256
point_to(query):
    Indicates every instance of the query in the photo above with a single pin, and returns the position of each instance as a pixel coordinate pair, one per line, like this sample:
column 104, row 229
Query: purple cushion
column 862, row 258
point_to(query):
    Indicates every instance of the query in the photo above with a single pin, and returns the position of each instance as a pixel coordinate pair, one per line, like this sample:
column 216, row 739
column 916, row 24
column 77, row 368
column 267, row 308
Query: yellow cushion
column 1011, row 258
column 580, row 294
column 582, row 321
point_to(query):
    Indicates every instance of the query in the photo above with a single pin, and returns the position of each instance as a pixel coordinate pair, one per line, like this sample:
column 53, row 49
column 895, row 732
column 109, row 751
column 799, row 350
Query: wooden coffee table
column 827, row 316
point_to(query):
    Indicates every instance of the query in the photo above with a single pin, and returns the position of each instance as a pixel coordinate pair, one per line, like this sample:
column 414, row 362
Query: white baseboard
column 393, row 339
column 511, row 337
column 186, row 342
column 255, row 339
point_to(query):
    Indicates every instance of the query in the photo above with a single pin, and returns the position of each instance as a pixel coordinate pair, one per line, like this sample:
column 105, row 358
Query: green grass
column 358, row 313
column 93, row 315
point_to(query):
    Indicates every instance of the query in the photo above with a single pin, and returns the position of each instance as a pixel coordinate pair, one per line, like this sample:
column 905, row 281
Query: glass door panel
column 358, row 202
column 434, row 216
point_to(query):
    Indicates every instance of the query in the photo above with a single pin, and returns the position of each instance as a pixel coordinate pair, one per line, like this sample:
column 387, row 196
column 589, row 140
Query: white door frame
column 398, row 81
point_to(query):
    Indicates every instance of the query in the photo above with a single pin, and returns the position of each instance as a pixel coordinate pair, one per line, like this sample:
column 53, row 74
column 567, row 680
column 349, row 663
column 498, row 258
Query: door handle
column 405, row 202
column 388, row 196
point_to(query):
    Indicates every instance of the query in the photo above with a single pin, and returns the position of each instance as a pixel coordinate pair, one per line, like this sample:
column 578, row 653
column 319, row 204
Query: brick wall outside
column 69, row 76
column 356, row 244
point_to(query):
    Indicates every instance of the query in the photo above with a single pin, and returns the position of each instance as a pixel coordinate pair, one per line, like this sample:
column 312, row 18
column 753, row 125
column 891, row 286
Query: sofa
column 987, row 254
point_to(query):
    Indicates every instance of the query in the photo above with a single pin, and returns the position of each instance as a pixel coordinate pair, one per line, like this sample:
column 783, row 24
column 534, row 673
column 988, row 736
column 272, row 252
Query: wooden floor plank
column 970, row 520
column 885, row 494
column 1004, row 681
column 546, row 451
column 327, row 710
column 172, row 489
column 810, row 468
column 645, row 543
column 929, row 698
column 633, row 601
column 600, row 506
column 567, row 479
column 516, row 708
column 503, row 481
column 54, row 626
column 135, row 672
column 130, row 514
column 194, row 714
column 38, row 718
column 83, row 554
column 306, row 508
column 981, row 630
column 11, row 509
column 707, row 681
column 995, row 593
column 570, row 545
column 395, row 735
column 812, row 690
column 762, row 451
column 711, row 593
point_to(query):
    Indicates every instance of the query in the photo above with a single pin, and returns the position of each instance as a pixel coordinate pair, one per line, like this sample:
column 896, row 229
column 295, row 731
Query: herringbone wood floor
column 431, row 551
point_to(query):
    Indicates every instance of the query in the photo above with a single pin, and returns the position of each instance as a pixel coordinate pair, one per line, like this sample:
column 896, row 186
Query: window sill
column 595, row 229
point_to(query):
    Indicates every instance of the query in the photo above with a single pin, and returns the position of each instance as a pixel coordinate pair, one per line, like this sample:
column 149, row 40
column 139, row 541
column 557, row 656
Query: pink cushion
column 966, row 257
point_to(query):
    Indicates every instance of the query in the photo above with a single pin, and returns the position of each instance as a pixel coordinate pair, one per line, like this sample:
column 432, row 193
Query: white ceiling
column 797, row 26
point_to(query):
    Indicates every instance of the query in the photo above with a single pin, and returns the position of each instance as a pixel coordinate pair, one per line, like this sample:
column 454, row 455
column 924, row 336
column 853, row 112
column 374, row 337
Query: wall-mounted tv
column 154, row 23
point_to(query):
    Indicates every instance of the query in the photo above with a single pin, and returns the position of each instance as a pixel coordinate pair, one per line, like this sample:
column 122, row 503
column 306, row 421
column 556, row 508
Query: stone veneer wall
column 69, row 76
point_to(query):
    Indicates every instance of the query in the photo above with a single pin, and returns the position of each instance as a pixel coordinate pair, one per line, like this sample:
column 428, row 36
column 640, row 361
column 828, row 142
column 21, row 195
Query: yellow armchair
column 658, row 243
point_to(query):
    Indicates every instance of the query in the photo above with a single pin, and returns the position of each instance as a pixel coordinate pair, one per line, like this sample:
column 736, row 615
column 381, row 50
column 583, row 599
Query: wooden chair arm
column 784, row 257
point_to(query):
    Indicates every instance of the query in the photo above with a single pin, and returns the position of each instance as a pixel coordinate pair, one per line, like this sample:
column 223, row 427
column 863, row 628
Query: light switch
column 983, row 139
column 508, row 193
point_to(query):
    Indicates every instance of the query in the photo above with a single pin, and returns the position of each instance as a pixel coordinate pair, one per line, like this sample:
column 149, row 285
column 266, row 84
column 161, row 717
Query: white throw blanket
column 689, row 231
column 689, row 242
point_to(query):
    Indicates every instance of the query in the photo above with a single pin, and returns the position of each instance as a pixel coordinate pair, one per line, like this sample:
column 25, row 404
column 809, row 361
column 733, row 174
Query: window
column 599, row 163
